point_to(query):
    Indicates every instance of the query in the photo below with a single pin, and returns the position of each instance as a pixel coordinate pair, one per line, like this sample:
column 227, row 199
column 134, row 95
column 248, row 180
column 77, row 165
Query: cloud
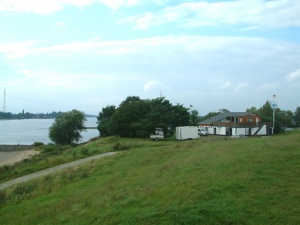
column 59, row 24
column 268, row 87
column 242, row 86
column 51, row 6
column 150, row 84
column 63, row 80
column 253, row 14
column 31, row 6
column 16, row 49
column 293, row 76
column 47, row 7
column 148, row 64
column 225, row 85
column 116, row 4
column 184, row 44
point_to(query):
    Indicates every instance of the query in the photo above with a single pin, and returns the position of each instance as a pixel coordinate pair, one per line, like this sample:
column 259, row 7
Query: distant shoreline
column 41, row 118
column 13, row 148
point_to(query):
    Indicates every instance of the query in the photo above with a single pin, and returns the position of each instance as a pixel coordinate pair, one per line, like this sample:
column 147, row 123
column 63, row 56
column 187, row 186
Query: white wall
column 263, row 131
column 244, row 131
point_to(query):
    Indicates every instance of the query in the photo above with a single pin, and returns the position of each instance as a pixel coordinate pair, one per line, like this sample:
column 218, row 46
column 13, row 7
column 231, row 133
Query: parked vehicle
column 202, row 132
column 186, row 133
column 288, row 129
column 159, row 135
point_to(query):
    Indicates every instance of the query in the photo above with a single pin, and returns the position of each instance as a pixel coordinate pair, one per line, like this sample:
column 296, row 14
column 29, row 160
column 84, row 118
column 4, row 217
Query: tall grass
column 208, row 181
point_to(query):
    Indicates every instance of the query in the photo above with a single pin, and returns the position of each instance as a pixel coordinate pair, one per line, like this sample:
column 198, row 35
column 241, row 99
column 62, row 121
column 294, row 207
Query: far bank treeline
column 27, row 115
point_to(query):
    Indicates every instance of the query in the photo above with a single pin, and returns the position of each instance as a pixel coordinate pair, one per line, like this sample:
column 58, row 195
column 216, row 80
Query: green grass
column 51, row 155
column 214, row 180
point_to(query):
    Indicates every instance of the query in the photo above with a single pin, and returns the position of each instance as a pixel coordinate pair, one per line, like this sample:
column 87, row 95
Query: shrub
column 67, row 127
column 36, row 144
column 84, row 151
column 120, row 147
column 2, row 197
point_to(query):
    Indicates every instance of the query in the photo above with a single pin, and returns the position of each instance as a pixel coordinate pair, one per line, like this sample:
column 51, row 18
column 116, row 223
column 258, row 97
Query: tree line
column 136, row 117
column 27, row 115
column 283, row 118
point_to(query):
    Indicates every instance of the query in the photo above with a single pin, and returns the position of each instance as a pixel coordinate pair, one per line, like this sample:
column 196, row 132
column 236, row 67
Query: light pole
column 274, row 107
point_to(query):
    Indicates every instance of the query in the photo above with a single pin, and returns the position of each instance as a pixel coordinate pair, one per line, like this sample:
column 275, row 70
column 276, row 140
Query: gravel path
column 52, row 170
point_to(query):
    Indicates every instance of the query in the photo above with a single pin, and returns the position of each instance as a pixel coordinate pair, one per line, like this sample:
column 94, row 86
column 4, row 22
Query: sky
column 59, row 55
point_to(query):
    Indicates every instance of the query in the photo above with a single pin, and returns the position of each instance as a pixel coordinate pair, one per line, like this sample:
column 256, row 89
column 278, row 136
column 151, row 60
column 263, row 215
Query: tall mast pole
column 4, row 101
column 274, row 107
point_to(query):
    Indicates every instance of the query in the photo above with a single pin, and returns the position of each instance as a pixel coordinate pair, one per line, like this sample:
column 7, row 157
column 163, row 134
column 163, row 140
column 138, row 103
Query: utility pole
column 274, row 107
column 4, row 101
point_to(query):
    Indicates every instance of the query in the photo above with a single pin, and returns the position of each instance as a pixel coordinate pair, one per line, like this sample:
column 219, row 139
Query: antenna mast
column 4, row 101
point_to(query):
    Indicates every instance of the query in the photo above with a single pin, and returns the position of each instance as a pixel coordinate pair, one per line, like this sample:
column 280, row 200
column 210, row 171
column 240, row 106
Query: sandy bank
column 9, row 158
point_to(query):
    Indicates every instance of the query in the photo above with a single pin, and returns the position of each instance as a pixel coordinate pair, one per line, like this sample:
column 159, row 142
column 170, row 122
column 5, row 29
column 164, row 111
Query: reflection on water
column 26, row 132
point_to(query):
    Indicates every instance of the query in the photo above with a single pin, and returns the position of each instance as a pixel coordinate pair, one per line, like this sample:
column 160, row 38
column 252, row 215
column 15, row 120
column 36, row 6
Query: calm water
column 26, row 132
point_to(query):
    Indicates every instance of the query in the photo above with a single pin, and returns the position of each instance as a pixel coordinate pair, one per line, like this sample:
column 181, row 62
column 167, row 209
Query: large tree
column 266, row 112
column 67, row 127
column 297, row 117
column 136, row 117
column 194, row 117
column 285, row 117
column 128, row 119
column 104, row 120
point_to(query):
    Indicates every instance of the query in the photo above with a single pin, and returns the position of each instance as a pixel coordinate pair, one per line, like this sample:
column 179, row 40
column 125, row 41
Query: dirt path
column 52, row 170
column 8, row 158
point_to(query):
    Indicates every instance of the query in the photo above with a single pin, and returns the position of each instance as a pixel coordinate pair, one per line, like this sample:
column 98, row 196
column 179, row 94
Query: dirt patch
column 9, row 158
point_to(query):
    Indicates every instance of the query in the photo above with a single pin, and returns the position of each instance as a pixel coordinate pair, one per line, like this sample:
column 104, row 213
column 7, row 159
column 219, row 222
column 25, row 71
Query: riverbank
column 11, row 157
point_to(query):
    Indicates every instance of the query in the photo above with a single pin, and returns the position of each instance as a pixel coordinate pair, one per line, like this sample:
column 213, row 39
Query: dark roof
column 221, row 116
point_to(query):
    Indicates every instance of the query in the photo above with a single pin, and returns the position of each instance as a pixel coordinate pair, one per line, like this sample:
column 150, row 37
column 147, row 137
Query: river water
column 28, row 131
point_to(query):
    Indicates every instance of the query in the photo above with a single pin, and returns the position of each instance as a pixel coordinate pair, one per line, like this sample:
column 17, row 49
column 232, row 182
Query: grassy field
column 214, row 180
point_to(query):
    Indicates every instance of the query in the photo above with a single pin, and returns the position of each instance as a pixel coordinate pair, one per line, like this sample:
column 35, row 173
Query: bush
column 84, row 151
column 120, row 147
column 2, row 197
column 36, row 144
column 51, row 150
column 67, row 127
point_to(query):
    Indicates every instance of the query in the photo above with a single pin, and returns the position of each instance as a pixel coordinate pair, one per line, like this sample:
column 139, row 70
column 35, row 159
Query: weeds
column 37, row 144
column 75, row 174
column 2, row 197
column 120, row 147
column 84, row 151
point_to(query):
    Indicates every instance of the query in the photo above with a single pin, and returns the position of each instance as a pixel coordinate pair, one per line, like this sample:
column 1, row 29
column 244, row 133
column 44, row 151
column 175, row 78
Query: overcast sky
column 57, row 55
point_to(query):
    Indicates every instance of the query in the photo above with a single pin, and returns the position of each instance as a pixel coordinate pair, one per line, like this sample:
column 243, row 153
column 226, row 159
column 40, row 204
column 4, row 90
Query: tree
column 297, row 117
column 128, row 119
column 67, row 127
column 160, row 115
column 224, row 110
column 104, row 120
column 284, row 117
column 252, row 109
column 266, row 112
column 136, row 117
column 181, row 116
column 194, row 117
column 209, row 115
